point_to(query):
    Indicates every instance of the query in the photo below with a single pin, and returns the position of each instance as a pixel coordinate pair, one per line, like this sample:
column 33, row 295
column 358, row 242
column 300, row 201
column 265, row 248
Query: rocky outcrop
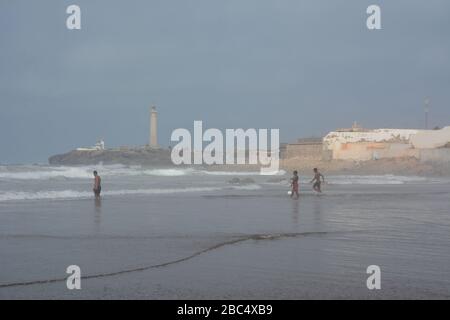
column 135, row 156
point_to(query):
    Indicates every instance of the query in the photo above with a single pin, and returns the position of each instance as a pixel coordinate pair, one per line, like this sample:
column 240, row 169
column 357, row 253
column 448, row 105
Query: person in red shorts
column 294, row 185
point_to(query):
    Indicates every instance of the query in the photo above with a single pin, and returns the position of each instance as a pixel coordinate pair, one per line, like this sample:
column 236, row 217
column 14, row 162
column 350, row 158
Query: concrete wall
column 370, row 145
column 378, row 135
column 431, row 139
column 363, row 151
column 304, row 151
column 435, row 155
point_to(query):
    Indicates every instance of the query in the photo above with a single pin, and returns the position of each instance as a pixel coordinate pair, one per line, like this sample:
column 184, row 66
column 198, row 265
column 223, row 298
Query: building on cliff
column 100, row 145
column 361, row 144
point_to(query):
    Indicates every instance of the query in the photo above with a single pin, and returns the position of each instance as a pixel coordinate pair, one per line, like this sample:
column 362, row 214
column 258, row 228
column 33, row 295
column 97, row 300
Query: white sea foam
column 238, row 173
column 73, row 194
column 377, row 180
column 367, row 180
column 41, row 195
column 32, row 173
column 84, row 172
column 247, row 187
column 168, row 172
column 46, row 172
column 229, row 173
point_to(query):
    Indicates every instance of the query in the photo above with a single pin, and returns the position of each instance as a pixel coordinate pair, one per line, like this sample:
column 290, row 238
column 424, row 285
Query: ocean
column 185, row 233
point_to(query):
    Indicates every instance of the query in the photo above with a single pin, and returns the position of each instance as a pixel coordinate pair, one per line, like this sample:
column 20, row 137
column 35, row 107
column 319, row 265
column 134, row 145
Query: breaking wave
column 63, row 172
column 45, row 173
column 73, row 194
column 365, row 180
column 377, row 180
column 237, row 173
column 35, row 173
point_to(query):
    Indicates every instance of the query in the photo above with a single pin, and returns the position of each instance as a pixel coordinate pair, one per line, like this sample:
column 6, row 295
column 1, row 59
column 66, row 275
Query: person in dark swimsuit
column 317, row 181
column 97, row 185
column 294, row 185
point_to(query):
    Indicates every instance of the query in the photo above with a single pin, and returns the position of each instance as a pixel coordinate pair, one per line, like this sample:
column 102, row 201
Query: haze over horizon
column 306, row 67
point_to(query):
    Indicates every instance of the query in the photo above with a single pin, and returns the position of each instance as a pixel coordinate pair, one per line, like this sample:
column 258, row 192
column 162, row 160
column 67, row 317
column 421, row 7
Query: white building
column 360, row 144
column 99, row 145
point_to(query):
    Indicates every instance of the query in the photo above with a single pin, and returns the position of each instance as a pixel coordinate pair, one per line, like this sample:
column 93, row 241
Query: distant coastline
column 145, row 156
column 157, row 157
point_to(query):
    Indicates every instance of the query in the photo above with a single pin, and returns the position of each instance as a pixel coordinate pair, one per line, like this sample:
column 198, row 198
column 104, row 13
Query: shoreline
column 160, row 158
column 226, row 245
column 401, row 167
column 395, row 166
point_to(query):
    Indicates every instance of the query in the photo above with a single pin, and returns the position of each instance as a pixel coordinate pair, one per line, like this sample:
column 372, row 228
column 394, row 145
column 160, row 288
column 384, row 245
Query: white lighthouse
column 153, row 128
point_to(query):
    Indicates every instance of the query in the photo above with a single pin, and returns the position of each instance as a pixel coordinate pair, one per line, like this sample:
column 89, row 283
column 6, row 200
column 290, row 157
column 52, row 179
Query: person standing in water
column 294, row 185
column 97, row 185
column 316, row 180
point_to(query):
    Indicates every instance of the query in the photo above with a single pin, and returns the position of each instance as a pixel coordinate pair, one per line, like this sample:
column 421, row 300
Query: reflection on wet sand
column 295, row 211
column 98, row 213
column 317, row 213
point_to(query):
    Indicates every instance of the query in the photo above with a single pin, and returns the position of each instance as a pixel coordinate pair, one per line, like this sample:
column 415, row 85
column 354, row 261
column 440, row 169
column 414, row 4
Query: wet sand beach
column 222, row 241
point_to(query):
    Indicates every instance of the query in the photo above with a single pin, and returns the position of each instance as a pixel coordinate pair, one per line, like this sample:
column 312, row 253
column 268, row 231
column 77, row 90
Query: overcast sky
column 306, row 67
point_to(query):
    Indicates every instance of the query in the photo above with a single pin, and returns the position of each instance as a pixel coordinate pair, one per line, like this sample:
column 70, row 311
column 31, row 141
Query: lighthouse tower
column 153, row 127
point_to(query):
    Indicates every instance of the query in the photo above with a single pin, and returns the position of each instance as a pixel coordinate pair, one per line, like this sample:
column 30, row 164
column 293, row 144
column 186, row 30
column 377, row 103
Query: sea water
column 194, row 233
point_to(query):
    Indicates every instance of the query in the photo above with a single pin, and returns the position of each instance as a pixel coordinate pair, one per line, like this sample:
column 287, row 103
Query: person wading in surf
column 97, row 185
column 294, row 184
column 317, row 183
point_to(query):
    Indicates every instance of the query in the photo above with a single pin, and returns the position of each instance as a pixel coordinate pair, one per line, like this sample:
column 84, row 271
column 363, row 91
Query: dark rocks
column 132, row 156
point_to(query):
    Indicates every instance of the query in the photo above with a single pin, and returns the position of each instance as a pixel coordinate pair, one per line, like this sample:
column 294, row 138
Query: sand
column 231, row 243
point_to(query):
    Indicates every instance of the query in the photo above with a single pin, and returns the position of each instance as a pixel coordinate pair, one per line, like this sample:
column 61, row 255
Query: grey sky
column 305, row 67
